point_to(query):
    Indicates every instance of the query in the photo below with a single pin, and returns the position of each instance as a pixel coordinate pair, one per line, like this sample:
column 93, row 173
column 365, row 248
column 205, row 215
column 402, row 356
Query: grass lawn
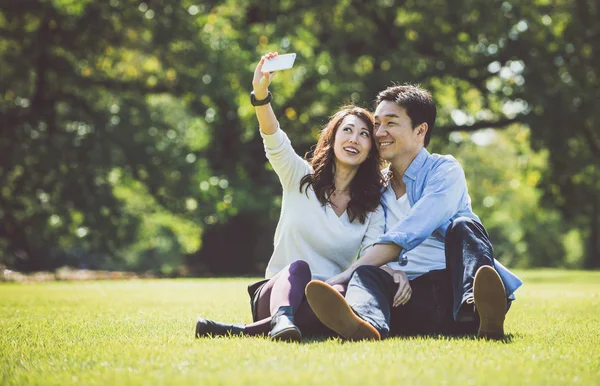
column 141, row 332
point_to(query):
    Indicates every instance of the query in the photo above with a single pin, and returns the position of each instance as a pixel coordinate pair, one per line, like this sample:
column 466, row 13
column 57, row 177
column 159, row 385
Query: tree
column 127, row 133
column 81, row 123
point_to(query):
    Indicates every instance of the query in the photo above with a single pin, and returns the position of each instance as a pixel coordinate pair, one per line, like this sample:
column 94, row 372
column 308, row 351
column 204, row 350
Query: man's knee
column 368, row 274
column 466, row 230
column 366, row 271
column 460, row 226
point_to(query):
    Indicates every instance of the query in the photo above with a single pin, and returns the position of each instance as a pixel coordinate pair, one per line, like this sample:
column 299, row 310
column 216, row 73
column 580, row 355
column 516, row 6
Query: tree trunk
column 592, row 258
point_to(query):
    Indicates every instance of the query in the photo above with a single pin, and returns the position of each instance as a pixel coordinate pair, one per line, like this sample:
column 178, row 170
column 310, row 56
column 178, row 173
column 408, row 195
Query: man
column 449, row 281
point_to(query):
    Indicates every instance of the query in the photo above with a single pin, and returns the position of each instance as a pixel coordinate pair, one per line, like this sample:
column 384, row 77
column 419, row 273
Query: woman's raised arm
column 261, row 81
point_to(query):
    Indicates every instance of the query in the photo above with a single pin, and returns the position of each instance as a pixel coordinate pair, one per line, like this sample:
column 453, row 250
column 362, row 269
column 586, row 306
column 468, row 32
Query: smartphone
column 280, row 62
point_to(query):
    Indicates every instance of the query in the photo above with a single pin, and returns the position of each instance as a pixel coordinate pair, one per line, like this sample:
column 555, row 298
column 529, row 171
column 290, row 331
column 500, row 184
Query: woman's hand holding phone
column 262, row 80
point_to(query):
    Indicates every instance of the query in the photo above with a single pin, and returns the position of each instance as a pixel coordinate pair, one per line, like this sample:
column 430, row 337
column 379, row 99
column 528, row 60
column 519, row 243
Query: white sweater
column 307, row 230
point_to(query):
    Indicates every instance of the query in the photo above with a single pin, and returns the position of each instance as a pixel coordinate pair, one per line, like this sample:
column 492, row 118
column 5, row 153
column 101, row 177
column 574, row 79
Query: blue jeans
column 438, row 302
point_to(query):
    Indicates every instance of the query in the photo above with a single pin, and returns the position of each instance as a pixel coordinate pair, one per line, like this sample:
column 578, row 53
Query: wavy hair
column 366, row 186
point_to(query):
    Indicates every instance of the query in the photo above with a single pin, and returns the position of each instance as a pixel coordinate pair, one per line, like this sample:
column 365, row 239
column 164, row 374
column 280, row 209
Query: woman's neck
column 343, row 176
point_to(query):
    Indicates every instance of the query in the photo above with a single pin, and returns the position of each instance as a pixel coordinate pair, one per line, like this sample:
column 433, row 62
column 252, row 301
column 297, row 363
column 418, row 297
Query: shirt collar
column 417, row 164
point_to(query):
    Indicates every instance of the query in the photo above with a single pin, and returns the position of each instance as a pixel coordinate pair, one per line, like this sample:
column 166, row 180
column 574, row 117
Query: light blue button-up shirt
column 437, row 191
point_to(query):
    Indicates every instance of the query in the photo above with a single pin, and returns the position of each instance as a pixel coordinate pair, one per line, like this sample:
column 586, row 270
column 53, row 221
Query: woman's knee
column 369, row 276
column 299, row 268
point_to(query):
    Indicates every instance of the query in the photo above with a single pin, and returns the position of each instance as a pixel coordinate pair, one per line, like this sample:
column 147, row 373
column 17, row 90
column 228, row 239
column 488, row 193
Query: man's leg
column 364, row 313
column 470, row 261
column 370, row 294
column 429, row 309
column 467, row 249
column 307, row 321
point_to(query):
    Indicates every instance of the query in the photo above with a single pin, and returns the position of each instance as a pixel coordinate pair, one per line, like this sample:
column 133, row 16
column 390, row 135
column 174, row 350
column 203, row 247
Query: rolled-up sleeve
column 441, row 199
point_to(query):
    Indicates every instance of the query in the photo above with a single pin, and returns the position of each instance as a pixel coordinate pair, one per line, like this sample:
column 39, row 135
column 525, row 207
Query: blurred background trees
column 127, row 140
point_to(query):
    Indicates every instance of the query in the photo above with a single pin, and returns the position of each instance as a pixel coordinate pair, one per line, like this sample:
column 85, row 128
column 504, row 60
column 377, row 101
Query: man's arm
column 439, row 202
column 377, row 255
column 441, row 199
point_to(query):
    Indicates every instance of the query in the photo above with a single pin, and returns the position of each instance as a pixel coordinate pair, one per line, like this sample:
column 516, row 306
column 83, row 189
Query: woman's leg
column 284, row 289
column 288, row 289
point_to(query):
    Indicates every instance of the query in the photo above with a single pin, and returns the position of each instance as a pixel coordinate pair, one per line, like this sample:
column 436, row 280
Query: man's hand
column 262, row 80
column 377, row 255
column 404, row 290
column 340, row 278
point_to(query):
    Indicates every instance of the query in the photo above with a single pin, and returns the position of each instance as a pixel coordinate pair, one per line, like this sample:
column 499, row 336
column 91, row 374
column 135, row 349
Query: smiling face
column 352, row 142
column 395, row 136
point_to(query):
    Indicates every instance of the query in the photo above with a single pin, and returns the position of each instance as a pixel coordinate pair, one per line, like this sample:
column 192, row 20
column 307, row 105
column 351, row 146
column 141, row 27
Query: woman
column 330, row 211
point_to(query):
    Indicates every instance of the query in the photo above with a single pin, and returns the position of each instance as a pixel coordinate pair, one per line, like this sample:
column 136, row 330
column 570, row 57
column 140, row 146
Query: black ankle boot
column 206, row 327
column 283, row 327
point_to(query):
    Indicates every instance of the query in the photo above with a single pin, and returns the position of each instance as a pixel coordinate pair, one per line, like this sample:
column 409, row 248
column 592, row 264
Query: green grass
column 141, row 332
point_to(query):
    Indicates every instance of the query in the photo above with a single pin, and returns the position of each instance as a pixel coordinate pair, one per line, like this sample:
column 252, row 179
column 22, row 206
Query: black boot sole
column 288, row 335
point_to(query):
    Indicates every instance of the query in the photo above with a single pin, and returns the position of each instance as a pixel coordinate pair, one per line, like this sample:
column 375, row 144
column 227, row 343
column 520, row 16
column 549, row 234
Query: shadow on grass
column 507, row 339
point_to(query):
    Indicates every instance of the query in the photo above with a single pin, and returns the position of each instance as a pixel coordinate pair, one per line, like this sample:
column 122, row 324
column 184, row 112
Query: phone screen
column 278, row 63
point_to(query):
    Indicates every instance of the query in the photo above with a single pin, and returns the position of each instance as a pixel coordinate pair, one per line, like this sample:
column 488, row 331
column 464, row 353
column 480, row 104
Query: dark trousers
column 438, row 302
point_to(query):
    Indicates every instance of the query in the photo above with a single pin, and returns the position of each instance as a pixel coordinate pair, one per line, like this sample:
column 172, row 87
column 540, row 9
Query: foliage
column 563, row 43
column 503, row 174
column 128, row 141
column 141, row 332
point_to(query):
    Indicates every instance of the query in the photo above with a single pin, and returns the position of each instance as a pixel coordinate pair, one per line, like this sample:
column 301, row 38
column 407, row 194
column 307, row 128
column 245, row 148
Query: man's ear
column 422, row 129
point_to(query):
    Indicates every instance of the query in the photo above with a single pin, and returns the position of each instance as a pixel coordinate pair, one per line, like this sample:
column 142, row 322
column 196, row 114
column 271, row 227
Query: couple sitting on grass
column 425, row 263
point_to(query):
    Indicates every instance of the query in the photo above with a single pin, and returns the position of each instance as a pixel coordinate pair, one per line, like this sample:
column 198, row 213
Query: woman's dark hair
column 365, row 188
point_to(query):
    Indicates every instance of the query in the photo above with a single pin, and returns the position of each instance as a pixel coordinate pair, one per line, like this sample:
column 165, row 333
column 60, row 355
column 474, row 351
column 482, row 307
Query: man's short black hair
column 417, row 102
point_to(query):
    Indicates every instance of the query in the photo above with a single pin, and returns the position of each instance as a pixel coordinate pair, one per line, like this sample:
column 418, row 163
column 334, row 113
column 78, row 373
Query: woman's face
column 352, row 142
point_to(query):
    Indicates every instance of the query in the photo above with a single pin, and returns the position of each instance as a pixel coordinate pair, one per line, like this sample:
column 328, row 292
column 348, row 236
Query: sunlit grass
column 141, row 332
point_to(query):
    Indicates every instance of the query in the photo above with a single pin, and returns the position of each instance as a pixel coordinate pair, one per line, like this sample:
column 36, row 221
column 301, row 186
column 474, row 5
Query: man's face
column 395, row 137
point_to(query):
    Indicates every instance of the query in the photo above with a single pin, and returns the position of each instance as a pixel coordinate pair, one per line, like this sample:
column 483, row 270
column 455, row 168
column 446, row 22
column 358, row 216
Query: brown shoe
column 490, row 302
column 334, row 312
